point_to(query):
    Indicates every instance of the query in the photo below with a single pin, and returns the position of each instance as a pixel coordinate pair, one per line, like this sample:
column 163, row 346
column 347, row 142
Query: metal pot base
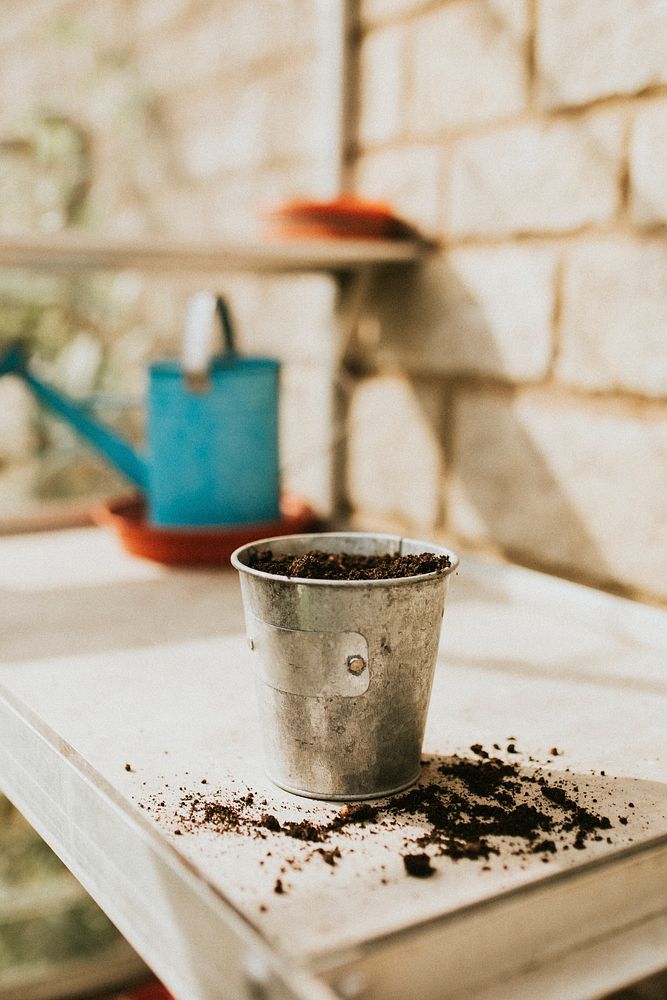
column 327, row 797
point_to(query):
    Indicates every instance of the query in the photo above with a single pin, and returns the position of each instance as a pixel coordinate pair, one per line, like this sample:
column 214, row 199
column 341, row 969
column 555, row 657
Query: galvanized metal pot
column 344, row 668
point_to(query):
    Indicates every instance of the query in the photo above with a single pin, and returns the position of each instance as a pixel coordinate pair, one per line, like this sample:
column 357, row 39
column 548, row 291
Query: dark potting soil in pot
column 318, row 565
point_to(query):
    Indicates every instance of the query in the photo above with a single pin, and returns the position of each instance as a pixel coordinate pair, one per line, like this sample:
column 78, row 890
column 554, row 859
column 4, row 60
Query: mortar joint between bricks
column 625, row 175
column 557, row 314
column 531, row 56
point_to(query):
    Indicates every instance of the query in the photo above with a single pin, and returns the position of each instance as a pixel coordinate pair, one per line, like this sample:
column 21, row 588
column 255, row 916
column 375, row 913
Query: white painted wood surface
column 109, row 660
column 81, row 251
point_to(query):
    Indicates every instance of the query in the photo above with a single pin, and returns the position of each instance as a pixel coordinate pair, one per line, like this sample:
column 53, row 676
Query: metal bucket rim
column 389, row 582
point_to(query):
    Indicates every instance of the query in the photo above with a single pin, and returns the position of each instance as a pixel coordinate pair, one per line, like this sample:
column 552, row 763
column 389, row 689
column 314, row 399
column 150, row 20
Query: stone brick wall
column 508, row 395
column 525, row 367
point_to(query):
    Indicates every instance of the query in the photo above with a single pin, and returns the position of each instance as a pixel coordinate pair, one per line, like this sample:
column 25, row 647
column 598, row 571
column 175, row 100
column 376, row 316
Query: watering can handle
column 14, row 359
column 199, row 335
column 226, row 324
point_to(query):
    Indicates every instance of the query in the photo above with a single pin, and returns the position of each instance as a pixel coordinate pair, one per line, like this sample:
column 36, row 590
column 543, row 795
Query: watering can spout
column 212, row 455
column 105, row 440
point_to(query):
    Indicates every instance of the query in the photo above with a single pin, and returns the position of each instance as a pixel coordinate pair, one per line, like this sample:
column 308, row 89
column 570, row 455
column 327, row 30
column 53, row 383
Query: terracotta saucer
column 345, row 217
column 195, row 546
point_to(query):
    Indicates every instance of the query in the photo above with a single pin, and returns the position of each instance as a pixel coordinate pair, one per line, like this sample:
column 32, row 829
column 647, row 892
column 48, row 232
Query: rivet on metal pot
column 356, row 665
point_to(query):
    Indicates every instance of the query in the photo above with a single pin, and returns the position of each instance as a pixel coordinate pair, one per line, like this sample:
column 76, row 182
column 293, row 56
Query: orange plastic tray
column 346, row 217
column 195, row 546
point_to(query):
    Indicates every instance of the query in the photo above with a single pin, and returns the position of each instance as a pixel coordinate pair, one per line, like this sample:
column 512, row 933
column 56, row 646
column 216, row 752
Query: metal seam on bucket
column 309, row 663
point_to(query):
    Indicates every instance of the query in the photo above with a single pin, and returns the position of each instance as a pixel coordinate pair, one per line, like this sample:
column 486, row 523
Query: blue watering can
column 212, row 429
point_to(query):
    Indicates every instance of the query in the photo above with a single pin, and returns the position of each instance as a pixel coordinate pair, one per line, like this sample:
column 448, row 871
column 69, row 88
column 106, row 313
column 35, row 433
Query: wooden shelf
column 77, row 252
column 111, row 661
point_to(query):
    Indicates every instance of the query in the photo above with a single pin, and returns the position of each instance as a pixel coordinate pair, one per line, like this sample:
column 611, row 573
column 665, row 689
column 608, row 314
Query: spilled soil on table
column 464, row 808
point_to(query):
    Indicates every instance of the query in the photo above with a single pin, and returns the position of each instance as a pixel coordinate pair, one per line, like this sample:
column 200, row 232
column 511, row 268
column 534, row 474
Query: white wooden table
column 108, row 661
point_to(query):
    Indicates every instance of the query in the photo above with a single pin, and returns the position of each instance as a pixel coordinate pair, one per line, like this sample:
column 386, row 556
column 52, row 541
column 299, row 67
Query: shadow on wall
column 499, row 488
column 546, row 482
